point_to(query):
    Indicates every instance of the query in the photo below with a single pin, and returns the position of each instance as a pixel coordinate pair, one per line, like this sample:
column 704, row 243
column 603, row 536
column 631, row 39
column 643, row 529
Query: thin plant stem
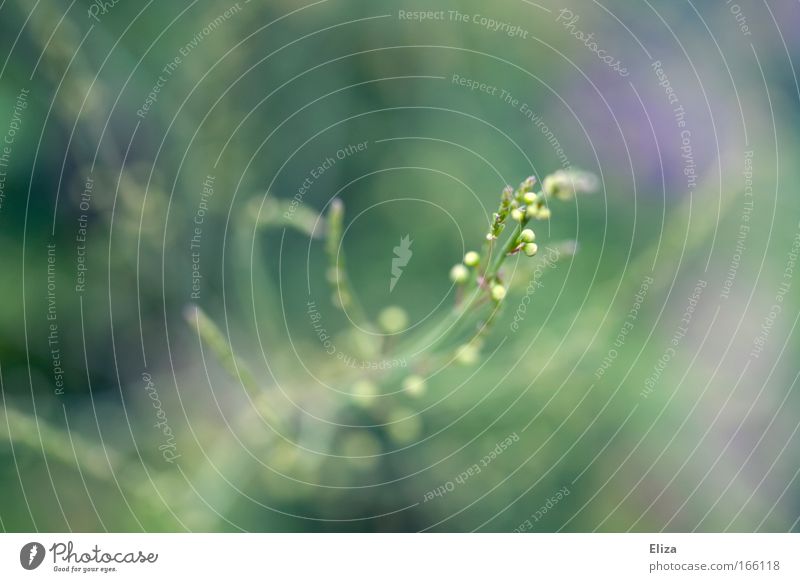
column 343, row 295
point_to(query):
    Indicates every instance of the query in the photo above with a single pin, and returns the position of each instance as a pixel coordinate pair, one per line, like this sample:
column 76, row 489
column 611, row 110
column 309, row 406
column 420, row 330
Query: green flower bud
column 530, row 198
column 364, row 392
column 471, row 259
column 532, row 211
column 544, row 213
column 498, row 292
column 414, row 385
column 531, row 249
column 468, row 354
column 527, row 236
column 517, row 214
column 393, row 319
column 459, row 274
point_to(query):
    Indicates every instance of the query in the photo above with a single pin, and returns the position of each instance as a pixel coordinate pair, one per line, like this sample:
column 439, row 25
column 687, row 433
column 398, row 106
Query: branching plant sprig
column 481, row 289
column 479, row 276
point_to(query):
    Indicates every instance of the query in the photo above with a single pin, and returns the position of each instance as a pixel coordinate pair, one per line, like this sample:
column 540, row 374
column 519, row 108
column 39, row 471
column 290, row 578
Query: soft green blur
column 269, row 430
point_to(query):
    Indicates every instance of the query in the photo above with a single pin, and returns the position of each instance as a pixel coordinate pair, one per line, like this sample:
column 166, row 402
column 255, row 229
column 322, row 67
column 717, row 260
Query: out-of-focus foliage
column 174, row 138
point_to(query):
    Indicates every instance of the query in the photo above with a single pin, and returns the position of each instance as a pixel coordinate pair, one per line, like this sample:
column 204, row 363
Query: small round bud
column 544, row 213
column 530, row 197
column 531, row 249
column 393, row 319
column 459, row 274
column 414, row 385
column 498, row 292
column 527, row 236
column 532, row 211
column 364, row 392
column 550, row 184
column 467, row 354
column 471, row 259
column 517, row 214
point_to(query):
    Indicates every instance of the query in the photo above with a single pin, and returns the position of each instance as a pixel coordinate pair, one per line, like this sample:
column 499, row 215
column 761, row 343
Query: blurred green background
column 679, row 416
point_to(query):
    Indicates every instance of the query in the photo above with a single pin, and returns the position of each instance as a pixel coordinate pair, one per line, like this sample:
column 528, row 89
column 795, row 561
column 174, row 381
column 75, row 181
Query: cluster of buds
column 520, row 205
column 527, row 204
column 460, row 274
column 525, row 242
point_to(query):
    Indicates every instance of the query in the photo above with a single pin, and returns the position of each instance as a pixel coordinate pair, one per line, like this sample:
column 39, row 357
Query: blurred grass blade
column 211, row 336
column 54, row 443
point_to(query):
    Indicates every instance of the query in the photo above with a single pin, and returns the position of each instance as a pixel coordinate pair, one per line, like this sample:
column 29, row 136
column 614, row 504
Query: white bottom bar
column 406, row 557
